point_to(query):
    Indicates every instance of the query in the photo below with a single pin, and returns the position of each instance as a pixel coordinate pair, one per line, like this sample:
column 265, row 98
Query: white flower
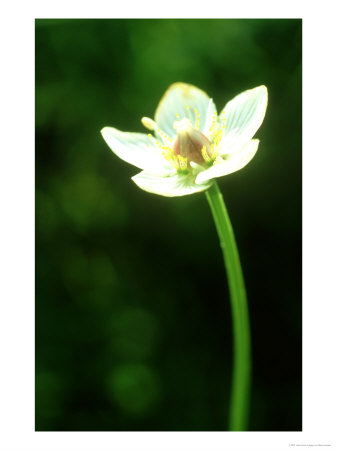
column 191, row 144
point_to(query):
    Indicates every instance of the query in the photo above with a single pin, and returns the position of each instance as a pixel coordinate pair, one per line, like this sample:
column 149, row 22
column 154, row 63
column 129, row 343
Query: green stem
column 239, row 403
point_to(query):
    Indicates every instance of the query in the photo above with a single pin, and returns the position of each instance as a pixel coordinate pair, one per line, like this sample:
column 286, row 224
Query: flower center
column 191, row 144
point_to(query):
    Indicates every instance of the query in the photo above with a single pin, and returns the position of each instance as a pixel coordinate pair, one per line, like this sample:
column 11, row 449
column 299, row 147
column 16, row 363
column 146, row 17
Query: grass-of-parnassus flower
column 189, row 147
column 191, row 144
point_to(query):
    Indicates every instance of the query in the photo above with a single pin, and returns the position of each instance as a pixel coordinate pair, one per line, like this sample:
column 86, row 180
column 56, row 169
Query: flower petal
column 211, row 118
column 179, row 101
column 170, row 186
column 243, row 117
column 135, row 148
column 235, row 162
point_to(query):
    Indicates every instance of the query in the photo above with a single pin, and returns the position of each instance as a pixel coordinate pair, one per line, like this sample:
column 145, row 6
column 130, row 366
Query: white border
column 17, row 226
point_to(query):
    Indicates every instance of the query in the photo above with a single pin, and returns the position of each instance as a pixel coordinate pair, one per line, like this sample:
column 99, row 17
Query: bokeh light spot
column 135, row 388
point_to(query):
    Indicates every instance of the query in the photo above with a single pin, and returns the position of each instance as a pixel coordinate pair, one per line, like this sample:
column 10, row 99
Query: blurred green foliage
column 133, row 326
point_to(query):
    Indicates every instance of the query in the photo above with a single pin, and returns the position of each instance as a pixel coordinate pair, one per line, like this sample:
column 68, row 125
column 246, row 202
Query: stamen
column 148, row 123
column 182, row 161
column 217, row 136
column 205, row 155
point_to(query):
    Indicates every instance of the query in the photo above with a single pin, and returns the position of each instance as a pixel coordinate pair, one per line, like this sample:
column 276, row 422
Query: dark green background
column 133, row 326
